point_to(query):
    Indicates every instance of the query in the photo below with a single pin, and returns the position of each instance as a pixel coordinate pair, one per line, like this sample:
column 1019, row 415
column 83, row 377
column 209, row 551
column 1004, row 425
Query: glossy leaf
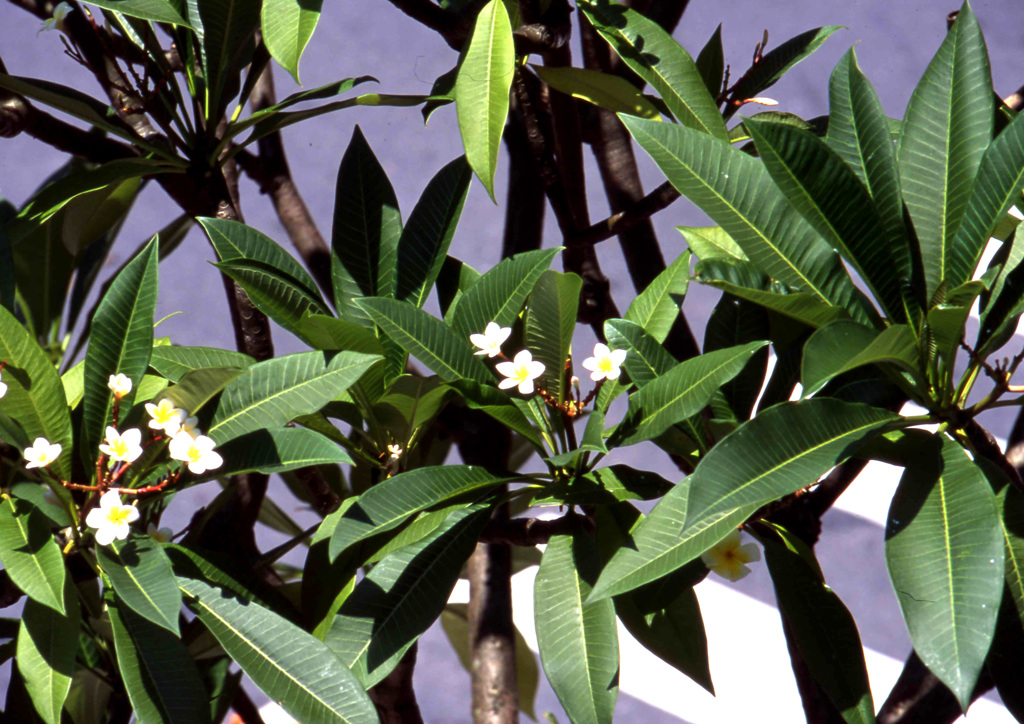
column 392, row 501
column 605, row 90
column 735, row 190
column 29, row 554
column 843, row 345
column 159, row 11
column 275, row 294
column 550, row 322
column 734, row 322
column 657, row 58
column 287, row 26
column 276, row 451
column 227, row 28
column 35, row 395
column 402, row 595
column 781, row 450
column 1011, row 509
column 366, row 230
column 481, row 90
column 711, row 63
column 946, row 129
column 140, row 573
column 498, row 405
column 427, row 338
column 424, row 243
column 711, row 242
column 290, row 666
column 198, row 387
column 274, row 392
column 944, row 549
column 578, row 642
column 47, row 643
column 121, row 343
column 658, row 306
column 176, row 362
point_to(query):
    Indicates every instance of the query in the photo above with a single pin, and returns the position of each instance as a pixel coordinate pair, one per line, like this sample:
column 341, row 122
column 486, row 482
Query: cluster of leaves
column 908, row 205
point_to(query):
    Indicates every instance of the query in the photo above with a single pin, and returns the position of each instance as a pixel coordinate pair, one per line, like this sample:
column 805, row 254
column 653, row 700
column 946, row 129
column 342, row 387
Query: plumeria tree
column 124, row 618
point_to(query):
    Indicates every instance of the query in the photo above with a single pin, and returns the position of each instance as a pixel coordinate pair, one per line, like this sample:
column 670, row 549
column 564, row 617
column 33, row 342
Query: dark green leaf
column 47, row 642
column 550, row 321
column 140, row 573
column 159, row 11
column 658, row 305
column 29, row 554
column 843, row 345
column 175, row 362
column 605, row 90
column 711, row 63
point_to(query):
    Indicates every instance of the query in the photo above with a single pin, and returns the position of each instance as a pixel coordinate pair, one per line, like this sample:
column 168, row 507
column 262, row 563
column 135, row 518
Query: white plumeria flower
column 521, row 372
column 165, row 415
column 41, row 453
column 196, row 451
column 57, row 21
column 111, row 520
column 189, row 425
column 728, row 559
column 160, row 535
column 3, row 389
column 490, row 341
column 120, row 384
column 606, row 363
column 124, row 447
column 395, row 450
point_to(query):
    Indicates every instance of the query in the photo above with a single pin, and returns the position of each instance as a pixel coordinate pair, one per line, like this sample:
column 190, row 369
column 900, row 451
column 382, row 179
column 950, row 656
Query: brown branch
column 394, row 696
column 918, row 697
column 531, row 531
column 453, row 27
column 622, row 221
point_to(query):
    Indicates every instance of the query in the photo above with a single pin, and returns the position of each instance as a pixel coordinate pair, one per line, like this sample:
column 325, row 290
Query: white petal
column 506, row 368
column 618, row 356
column 507, row 383
column 132, row 437
column 96, row 518
column 105, row 535
column 535, row 369
column 592, row 363
column 600, row 350
column 523, row 357
column 132, row 514
column 110, row 499
column 214, row 460
column 596, row 376
column 526, row 386
column 613, row 373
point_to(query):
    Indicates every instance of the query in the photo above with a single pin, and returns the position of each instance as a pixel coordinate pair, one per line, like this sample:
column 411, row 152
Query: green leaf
column 947, row 127
column 175, row 362
column 454, row 279
column 274, row 392
column 402, row 595
column 1011, row 508
column 35, row 395
column 657, row 58
column 160, row 677
column 604, row 90
column 711, row 63
column 944, row 549
column 275, row 451
column 605, row 485
column 366, row 230
column 498, row 295
column 578, row 642
column 200, row 386
column 732, row 322
column 423, row 246
column 777, row 62
column 120, row 343
column 781, row 450
column 275, row 294
column 290, row 666
column 736, row 191
column 29, row 554
column 829, row 195
column 550, row 321
column 392, row 501
column 498, row 405
column 140, row 574
column 287, row 26
column 159, row 11
column 711, row 242
column 645, row 360
column 843, row 345
column 227, row 32
column 658, row 305
column 683, row 391
column 822, row 629
column 43, row 268
column 47, row 643
column 481, row 90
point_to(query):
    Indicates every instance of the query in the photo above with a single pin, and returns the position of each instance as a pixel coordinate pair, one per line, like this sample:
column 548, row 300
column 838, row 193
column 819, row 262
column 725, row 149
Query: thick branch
column 622, row 221
column 531, row 531
column 394, row 697
column 918, row 697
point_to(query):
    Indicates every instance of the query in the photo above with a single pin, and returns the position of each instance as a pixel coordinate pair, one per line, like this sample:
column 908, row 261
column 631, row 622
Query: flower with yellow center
column 112, row 519
column 606, row 363
column 120, row 384
column 165, row 414
column 728, row 558
column 189, row 425
column 122, row 447
column 196, row 451
column 395, row 450
column 41, row 453
column 490, row 341
column 521, row 372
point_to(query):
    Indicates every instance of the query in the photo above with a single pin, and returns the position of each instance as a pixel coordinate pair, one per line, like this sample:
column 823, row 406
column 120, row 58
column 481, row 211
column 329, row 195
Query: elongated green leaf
column 604, row 90
column 578, row 643
column 657, row 58
column 711, row 62
column 823, row 630
column 287, row 26
column 498, row 405
column 481, row 90
column 392, row 501
column 657, row 307
column 29, row 554
column 453, row 280
column 290, row 666
column 274, row 392
column 711, row 242
column 1011, row 508
column 160, row 677
column 175, row 362
column 606, row 485
column 120, row 343
column 200, row 386
column 778, row 452
column 736, row 191
column 498, row 295
column 43, row 268
column 140, row 573
column 733, row 322
column 227, row 32
column 367, row 227
column 275, row 294
column 550, row 321
column 427, row 338
column 829, row 195
column 47, row 643
column 159, row 11
column 275, row 451
column 424, row 243
column 997, row 188
column 844, row 345
column 944, row 549
column 947, row 127
column 401, row 596
column 683, row 391
column 35, row 395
